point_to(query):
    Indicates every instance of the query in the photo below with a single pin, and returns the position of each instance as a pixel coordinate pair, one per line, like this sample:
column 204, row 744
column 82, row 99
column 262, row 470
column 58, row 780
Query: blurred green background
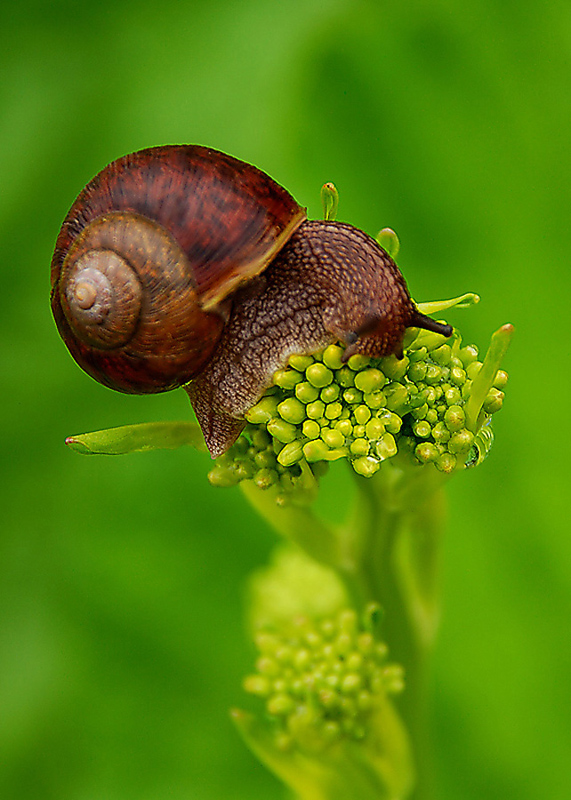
column 121, row 636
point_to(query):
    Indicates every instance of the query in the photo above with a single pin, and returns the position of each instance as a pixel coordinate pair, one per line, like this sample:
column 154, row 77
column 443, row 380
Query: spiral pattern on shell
column 127, row 302
column 149, row 255
column 101, row 294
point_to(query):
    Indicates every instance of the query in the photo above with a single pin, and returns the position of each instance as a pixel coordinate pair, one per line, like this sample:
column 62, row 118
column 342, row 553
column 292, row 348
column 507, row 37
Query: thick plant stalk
column 402, row 567
column 387, row 553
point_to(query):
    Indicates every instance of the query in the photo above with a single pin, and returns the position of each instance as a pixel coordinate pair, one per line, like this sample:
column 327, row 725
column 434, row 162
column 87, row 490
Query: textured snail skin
column 330, row 281
column 182, row 264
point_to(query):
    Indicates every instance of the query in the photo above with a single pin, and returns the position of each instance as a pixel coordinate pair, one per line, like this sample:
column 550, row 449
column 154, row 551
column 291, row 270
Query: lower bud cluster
column 366, row 411
column 323, row 680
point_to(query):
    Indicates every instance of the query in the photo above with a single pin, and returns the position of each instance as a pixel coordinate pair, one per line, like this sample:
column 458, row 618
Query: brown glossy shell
column 126, row 306
column 229, row 217
column 180, row 228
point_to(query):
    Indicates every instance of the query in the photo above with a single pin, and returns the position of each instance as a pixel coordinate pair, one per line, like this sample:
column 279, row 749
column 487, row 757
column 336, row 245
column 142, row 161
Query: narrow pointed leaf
column 138, row 438
column 484, row 380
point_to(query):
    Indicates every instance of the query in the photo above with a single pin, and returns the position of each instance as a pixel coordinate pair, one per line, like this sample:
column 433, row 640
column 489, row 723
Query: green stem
column 400, row 568
column 297, row 523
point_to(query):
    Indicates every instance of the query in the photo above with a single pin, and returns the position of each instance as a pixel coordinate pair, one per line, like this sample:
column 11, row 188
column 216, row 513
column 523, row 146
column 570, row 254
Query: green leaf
column 464, row 301
column 484, row 380
column 342, row 771
column 138, row 438
column 330, row 201
column 307, row 779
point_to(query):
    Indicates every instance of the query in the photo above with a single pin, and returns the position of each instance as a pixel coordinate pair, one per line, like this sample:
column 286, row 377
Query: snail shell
column 149, row 254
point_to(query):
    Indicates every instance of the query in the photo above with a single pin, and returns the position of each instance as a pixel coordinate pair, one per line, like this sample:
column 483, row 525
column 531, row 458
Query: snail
column 183, row 266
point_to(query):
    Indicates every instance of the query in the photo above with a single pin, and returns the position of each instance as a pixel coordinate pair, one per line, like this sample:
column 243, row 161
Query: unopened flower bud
column 461, row 441
column 332, row 356
column 281, row 430
column 315, row 410
column 264, row 410
column 394, row 368
column 319, row 375
column 369, row 380
column 330, row 393
column 454, row 418
column 287, row 378
column 426, row 452
column 292, row 410
column 300, row 363
column 290, row 454
column 501, row 379
column 264, row 478
column 358, row 361
column 305, row 392
column 494, row 401
column 366, row 466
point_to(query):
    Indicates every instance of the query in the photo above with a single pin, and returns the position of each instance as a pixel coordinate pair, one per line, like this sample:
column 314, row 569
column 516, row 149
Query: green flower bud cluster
column 366, row 410
column 322, row 680
column 254, row 456
column 435, row 429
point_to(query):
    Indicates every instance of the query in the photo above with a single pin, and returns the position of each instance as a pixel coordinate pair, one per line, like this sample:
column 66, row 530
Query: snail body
column 305, row 299
column 182, row 266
